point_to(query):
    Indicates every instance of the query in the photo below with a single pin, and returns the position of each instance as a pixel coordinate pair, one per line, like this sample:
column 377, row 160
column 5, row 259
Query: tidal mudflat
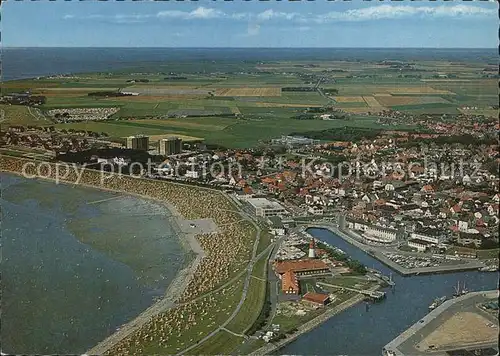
column 78, row 263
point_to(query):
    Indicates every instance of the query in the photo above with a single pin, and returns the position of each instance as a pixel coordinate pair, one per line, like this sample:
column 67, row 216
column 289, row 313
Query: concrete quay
column 308, row 326
column 376, row 252
column 415, row 340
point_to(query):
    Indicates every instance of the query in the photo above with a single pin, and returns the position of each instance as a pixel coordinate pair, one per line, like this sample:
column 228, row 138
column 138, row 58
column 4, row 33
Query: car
column 421, row 321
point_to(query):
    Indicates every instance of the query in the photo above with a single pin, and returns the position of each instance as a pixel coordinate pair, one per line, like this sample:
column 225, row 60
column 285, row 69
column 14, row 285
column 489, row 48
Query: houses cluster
column 445, row 193
column 82, row 114
column 23, row 99
column 443, row 124
column 49, row 138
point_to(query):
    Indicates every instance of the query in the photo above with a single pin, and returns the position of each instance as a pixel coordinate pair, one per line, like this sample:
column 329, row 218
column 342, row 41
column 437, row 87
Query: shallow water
column 72, row 272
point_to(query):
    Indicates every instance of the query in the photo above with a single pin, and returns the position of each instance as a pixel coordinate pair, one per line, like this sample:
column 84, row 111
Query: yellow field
column 410, row 100
column 382, row 94
column 349, row 99
column 248, row 92
column 364, row 110
column 154, row 138
column 371, row 101
column 416, row 90
column 283, row 105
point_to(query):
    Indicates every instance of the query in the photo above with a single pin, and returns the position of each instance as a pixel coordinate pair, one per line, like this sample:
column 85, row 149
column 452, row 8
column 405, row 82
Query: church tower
column 312, row 246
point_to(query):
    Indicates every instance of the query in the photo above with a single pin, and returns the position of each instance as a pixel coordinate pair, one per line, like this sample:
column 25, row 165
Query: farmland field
column 371, row 101
column 409, row 100
column 240, row 104
column 248, row 92
column 165, row 90
column 349, row 99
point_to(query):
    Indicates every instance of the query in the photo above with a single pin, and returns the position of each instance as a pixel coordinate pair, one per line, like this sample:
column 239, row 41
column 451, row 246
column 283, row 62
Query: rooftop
column 264, row 203
column 299, row 265
column 316, row 297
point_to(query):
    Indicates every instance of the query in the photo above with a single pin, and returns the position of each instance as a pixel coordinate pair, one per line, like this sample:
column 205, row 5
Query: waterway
column 78, row 262
column 358, row 331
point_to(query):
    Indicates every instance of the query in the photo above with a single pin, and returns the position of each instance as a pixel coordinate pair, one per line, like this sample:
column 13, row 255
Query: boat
column 488, row 269
column 464, row 290
column 458, row 291
column 437, row 302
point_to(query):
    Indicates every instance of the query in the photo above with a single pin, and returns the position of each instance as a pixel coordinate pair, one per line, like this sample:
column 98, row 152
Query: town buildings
column 139, row 142
column 170, row 146
column 264, row 208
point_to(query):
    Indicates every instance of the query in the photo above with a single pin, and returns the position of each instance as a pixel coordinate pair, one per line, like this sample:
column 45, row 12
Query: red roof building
column 317, row 298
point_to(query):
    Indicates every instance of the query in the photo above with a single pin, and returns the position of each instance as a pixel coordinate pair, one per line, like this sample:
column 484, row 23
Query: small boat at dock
column 437, row 302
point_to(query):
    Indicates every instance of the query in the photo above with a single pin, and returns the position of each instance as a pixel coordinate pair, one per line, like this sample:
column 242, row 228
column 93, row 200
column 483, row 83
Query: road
column 38, row 116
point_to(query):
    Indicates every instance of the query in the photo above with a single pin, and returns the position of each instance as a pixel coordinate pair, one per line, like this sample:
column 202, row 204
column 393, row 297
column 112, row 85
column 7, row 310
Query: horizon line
column 243, row 47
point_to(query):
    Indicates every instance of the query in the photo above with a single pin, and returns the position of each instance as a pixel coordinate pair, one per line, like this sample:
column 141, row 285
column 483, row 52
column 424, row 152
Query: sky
column 320, row 23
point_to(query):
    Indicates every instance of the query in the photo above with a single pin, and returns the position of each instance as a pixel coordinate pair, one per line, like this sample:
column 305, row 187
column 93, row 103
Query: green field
column 222, row 343
column 260, row 118
column 254, row 300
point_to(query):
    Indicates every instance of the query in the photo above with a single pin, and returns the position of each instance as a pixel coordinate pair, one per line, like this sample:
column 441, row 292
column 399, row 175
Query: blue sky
column 250, row 24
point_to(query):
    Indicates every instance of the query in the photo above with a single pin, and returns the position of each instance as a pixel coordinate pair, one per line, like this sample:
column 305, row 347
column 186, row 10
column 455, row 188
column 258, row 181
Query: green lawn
column 265, row 240
column 222, row 343
column 254, row 300
column 486, row 254
column 237, row 133
column 20, row 115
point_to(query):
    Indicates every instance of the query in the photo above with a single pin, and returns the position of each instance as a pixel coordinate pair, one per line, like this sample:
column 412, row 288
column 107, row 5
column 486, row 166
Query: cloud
column 253, row 29
column 372, row 13
column 199, row 13
column 271, row 15
column 388, row 12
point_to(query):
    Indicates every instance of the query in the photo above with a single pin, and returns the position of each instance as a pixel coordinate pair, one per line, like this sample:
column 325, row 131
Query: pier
column 457, row 324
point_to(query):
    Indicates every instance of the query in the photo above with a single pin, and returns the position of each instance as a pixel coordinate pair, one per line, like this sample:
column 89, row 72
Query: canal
column 358, row 331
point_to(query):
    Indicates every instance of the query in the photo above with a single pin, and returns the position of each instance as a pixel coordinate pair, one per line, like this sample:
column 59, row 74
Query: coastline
column 175, row 289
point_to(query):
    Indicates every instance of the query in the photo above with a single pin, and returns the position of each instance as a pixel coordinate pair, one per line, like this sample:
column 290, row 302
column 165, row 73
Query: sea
column 78, row 262
column 19, row 63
